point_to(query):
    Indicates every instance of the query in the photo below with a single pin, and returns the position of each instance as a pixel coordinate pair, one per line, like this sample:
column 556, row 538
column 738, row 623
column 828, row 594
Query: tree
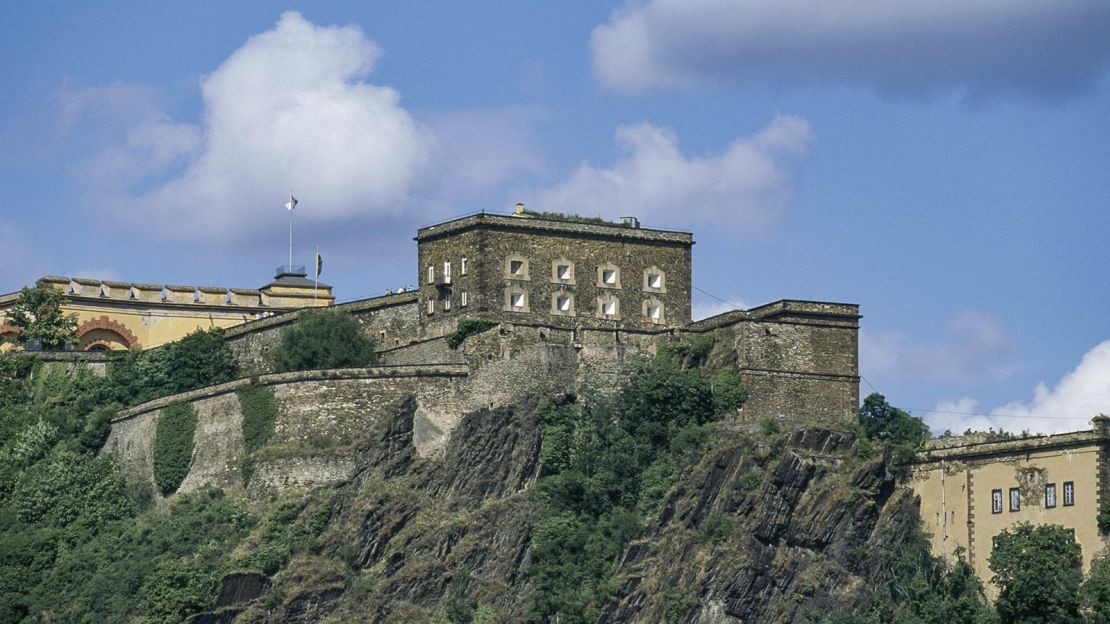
column 38, row 314
column 1095, row 592
column 1037, row 570
column 320, row 340
column 884, row 422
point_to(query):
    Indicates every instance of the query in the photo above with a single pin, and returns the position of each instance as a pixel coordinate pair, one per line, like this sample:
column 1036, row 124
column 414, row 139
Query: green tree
column 321, row 340
column 38, row 314
column 1094, row 595
column 1037, row 570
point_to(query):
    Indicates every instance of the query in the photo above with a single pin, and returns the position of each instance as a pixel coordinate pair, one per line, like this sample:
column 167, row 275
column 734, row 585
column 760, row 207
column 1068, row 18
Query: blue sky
column 944, row 165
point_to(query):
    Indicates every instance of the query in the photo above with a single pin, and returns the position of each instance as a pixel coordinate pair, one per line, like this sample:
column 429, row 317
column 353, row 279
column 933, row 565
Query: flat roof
column 541, row 225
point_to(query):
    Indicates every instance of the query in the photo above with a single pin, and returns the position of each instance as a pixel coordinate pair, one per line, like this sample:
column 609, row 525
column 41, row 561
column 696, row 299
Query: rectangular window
column 609, row 276
column 996, row 501
column 1050, row 495
column 381, row 337
column 431, row 306
column 654, row 312
column 517, row 300
column 655, row 280
column 516, row 266
column 447, row 303
column 431, row 274
column 462, row 266
column 1069, row 493
column 609, row 307
column 563, row 303
column 1015, row 499
column 446, row 272
column 563, row 272
column 462, row 299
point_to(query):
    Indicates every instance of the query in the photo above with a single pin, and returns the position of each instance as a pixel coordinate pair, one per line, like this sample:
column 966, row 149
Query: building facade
column 527, row 269
column 124, row 315
column 972, row 489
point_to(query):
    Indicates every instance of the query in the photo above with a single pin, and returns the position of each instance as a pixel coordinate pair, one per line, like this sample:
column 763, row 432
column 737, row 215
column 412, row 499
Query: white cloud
column 982, row 45
column 702, row 309
column 288, row 110
column 1079, row 396
column 975, row 347
column 745, row 188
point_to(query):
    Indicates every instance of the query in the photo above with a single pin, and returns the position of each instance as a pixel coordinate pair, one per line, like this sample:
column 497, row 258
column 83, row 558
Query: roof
column 540, row 225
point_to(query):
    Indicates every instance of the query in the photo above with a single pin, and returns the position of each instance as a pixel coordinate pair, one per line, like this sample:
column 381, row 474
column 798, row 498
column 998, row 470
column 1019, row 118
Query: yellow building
column 123, row 315
column 972, row 489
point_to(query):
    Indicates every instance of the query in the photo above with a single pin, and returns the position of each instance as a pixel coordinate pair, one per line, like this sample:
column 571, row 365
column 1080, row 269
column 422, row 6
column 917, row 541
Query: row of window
column 562, row 303
column 562, row 272
column 1049, row 497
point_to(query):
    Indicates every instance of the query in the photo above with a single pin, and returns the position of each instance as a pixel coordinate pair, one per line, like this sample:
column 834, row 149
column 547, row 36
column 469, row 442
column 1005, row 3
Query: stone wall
column 390, row 320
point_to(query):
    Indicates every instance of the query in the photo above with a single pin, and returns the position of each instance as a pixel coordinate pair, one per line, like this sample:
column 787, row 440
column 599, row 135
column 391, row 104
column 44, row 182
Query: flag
column 319, row 264
column 292, row 203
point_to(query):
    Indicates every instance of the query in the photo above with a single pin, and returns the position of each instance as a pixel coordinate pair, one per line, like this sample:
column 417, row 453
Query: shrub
column 202, row 358
column 467, row 328
column 321, row 340
column 173, row 446
column 1037, row 570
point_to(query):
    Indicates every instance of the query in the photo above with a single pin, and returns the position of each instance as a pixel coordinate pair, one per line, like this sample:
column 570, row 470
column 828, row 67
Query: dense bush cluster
column 324, row 339
column 173, row 446
column 260, row 409
column 467, row 328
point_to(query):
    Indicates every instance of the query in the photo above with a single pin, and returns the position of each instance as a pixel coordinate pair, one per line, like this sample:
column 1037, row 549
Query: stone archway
column 105, row 324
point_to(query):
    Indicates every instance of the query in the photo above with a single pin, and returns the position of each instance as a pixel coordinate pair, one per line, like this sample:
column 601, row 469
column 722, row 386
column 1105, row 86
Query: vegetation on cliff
column 38, row 315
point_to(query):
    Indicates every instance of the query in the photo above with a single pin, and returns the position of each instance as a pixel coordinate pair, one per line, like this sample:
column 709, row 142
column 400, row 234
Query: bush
column 173, row 446
column 321, row 340
column 1037, row 570
column 202, row 358
column 467, row 328
column 260, row 410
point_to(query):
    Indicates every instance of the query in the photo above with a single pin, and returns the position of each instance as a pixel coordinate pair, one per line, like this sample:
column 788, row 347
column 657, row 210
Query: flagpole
column 290, row 238
column 316, row 271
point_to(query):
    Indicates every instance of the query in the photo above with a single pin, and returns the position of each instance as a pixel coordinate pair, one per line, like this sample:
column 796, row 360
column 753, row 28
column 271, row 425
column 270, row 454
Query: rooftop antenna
column 291, row 204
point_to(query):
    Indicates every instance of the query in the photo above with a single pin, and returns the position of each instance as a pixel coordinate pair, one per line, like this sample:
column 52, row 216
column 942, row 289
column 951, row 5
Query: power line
column 709, row 294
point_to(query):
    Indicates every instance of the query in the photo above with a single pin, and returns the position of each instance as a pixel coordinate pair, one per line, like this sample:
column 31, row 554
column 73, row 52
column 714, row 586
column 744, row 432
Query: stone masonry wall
column 390, row 320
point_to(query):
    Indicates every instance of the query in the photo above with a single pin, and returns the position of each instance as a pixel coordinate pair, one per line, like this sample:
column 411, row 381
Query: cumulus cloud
column 288, row 110
column 975, row 347
column 984, row 46
column 745, row 188
column 1068, row 406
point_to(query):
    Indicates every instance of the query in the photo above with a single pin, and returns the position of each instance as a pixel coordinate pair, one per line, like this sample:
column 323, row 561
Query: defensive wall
column 971, row 489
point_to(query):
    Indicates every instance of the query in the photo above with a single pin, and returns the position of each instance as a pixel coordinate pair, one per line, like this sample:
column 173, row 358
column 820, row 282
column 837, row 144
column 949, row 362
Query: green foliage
column 883, row 422
column 1094, row 594
column 715, row 528
column 573, row 218
column 322, row 340
column 178, row 588
column 607, row 461
column 173, row 446
column 260, row 411
column 1103, row 518
column 676, row 605
column 202, row 358
column 467, row 328
column 286, row 531
column 38, row 314
column 1038, row 570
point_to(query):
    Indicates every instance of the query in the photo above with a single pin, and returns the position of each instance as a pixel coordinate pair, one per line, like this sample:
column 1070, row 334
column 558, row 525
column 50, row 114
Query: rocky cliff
column 765, row 527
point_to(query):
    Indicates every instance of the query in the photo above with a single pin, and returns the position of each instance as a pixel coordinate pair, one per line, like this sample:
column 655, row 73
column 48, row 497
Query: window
column 609, row 308
column 609, row 276
column 462, row 297
column 517, row 301
column 562, row 303
column 1069, row 493
column 654, row 312
column 447, row 303
column 1050, row 495
column 562, row 272
column 996, row 501
column 431, row 306
column 381, row 336
column 462, row 266
column 431, row 274
column 446, row 272
column 654, row 280
column 1015, row 499
column 516, row 267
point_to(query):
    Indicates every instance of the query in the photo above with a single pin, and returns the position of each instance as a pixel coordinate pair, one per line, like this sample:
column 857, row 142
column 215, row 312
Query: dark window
column 1050, row 495
column 1015, row 499
column 996, row 501
column 1069, row 493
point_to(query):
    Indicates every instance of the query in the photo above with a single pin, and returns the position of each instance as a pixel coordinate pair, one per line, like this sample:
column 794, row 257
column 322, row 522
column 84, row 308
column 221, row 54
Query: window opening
column 563, row 303
column 563, row 272
column 517, row 300
column 655, row 280
column 516, row 266
column 462, row 266
column 1015, row 499
column 1069, row 493
column 1050, row 495
column 996, row 501
column 446, row 272
column 462, row 298
column 609, row 276
column 431, row 273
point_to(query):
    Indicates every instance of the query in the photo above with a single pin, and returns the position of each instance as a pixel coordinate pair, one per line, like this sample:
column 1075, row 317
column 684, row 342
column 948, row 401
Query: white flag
column 292, row 203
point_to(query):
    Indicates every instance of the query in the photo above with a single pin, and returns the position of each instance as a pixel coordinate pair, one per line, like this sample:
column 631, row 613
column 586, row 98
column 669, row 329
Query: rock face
column 780, row 528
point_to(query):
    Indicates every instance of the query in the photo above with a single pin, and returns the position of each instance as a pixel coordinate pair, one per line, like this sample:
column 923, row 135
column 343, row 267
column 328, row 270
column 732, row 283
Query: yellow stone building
column 124, row 315
column 971, row 489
